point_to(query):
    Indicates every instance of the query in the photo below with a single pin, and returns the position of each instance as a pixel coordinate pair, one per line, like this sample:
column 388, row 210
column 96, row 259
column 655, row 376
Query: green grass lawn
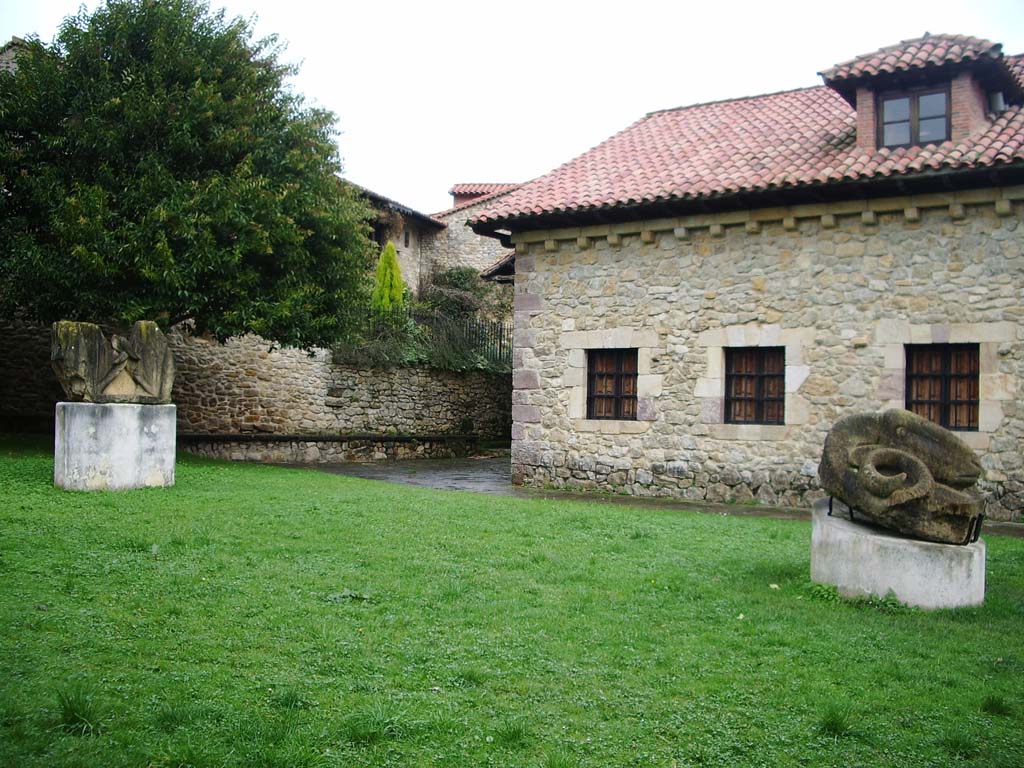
column 257, row 616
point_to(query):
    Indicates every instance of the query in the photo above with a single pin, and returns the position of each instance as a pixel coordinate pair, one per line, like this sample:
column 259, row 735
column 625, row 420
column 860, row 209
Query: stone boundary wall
column 843, row 287
column 302, row 450
column 28, row 386
column 244, row 386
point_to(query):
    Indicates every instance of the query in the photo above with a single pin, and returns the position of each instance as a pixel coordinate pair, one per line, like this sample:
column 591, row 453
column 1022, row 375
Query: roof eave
column 895, row 185
column 381, row 202
column 503, row 268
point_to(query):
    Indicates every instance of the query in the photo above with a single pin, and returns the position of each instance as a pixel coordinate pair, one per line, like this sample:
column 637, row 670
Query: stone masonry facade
column 458, row 245
column 409, row 238
column 842, row 287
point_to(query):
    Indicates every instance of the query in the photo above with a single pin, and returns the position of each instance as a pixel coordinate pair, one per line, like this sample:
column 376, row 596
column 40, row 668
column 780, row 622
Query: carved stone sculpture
column 904, row 472
column 137, row 369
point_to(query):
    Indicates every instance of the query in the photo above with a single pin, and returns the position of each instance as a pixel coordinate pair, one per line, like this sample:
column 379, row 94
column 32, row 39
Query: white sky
column 429, row 94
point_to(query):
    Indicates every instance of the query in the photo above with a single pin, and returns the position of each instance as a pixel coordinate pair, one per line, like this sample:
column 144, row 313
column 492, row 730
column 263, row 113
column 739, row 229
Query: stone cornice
column 714, row 224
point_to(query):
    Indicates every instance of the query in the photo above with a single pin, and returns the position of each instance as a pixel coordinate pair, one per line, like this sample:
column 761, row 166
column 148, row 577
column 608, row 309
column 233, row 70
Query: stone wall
column 243, row 386
column 28, row 386
column 458, row 245
column 841, row 287
column 353, row 448
column 411, row 259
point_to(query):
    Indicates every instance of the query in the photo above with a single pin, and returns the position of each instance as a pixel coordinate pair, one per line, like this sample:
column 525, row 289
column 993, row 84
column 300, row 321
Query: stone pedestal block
column 113, row 446
column 860, row 560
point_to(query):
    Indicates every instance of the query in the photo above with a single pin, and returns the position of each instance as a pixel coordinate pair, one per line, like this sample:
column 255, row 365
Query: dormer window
column 913, row 118
column 926, row 91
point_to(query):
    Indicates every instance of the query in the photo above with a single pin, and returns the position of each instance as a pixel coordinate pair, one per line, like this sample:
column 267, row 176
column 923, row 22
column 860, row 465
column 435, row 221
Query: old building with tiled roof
column 460, row 246
column 409, row 231
column 428, row 244
column 702, row 295
column 465, row 193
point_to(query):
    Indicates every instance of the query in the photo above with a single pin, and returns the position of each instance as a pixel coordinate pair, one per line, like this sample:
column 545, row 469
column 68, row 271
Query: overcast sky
column 428, row 94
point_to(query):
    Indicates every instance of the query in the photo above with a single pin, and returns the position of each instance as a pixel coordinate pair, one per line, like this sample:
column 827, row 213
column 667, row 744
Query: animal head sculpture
column 903, row 472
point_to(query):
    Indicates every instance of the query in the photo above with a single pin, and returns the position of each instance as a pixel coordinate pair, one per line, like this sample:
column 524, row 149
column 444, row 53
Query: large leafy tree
column 155, row 164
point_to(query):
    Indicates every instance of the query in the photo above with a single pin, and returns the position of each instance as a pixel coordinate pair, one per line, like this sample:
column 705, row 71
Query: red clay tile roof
column 1016, row 66
column 505, row 189
column 777, row 142
column 479, row 189
column 918, row 53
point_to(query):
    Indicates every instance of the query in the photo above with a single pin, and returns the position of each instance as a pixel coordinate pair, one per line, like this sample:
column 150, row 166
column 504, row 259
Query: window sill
column 749, row 431
column 611, row 426
column 978, row 441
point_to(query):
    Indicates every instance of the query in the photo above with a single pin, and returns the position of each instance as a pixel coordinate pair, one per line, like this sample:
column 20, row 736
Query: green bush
column 388, row 289
column 398, row 339
column 388, row 340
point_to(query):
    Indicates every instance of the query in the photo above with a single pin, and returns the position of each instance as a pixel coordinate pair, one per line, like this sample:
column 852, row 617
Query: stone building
column 701, row 296
column 408, row 229
column 431, row 243
column 458, row 245
column 9, row 54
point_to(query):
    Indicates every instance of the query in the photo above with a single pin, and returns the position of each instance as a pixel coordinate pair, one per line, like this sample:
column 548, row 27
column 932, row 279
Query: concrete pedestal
column 113, row 446
column 860, row 560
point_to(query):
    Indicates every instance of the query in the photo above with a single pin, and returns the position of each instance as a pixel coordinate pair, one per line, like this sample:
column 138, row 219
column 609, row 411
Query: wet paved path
column 493, row 475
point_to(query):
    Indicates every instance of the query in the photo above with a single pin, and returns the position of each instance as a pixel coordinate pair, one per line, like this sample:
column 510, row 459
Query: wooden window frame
column 946, row 404
column 760, row 376
column 914, row 94
column 624, row 383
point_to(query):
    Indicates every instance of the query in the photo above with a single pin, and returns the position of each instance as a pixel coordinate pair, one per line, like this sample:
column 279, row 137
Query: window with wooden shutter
column 755, row 385
column 611, row 384
column 942, row 384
